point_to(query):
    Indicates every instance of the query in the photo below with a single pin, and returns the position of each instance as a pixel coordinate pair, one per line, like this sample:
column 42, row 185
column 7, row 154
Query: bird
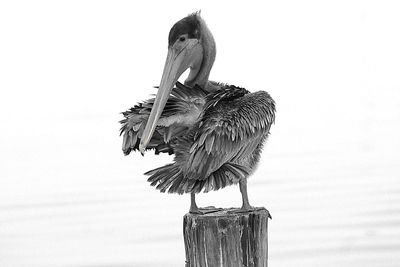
column 215, row 131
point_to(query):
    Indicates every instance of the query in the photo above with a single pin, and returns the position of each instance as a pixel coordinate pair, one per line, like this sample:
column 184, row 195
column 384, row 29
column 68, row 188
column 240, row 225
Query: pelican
column 216, row 131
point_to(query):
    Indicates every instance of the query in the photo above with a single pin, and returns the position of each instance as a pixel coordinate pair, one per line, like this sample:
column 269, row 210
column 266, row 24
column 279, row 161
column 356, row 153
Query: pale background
column 329, row 174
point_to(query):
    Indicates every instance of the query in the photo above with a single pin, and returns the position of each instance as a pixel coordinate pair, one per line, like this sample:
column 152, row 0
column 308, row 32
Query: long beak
column 175, row 65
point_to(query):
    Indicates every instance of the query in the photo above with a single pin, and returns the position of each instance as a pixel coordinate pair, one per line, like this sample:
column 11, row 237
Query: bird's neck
column 199, row 74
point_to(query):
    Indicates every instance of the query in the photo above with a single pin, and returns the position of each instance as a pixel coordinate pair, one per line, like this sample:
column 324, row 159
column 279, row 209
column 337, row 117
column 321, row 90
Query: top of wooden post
column 229, row 213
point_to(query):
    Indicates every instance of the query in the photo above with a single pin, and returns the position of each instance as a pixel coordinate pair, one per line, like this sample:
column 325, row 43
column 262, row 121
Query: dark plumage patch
column 189, row 25
column 226, row 93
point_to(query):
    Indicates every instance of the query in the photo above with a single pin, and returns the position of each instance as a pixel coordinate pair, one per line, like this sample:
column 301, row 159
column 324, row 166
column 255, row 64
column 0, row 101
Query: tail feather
column 198, row 186
column 175, row 185
column 165, row 184
column 238, row 170
column 165, row 177
column 160, row 179
column 151, row 172
column 171, row 179
column 207, row 185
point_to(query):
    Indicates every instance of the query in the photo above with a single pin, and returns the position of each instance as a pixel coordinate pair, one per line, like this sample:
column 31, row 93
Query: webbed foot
column 246, row 209
column 205, row 210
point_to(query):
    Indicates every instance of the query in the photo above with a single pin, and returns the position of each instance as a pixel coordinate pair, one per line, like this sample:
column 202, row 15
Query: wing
column 180, row 113
column 229, row 131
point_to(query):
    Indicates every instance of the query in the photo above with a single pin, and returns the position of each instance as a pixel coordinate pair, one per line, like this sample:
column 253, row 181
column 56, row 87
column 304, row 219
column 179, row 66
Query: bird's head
column 190, row 45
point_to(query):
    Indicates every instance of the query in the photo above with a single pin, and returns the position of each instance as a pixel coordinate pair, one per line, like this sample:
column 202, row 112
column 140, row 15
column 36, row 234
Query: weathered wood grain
column 226, row 238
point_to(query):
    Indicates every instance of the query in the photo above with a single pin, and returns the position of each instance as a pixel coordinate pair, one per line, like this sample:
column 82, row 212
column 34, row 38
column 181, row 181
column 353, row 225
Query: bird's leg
column 193, row 205
column 196, row 210
column 246, row 207
column 243, row 190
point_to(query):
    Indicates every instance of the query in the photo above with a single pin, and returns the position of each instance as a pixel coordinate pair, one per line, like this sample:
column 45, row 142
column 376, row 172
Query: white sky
column 91, row 56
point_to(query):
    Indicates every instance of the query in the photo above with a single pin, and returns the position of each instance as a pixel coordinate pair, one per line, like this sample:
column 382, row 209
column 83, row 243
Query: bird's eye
column 182, row 38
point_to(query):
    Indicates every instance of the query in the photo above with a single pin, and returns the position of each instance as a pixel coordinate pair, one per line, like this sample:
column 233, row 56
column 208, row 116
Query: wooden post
column 226, row 239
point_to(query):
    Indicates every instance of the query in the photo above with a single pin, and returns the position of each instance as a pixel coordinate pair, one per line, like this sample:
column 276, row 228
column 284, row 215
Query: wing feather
column 228, row 130
column 181, row 112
